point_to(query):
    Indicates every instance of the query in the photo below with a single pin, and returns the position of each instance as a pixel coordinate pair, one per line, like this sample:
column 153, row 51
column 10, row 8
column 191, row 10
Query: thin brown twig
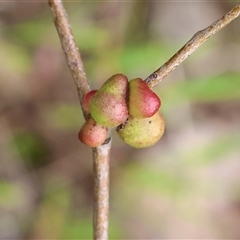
column 101, row 191
column 70, row 49
column 100, row 154
column 196, row 41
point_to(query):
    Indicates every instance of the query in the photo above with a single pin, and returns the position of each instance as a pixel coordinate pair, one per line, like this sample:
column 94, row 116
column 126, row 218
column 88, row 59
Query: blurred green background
column 185, row 186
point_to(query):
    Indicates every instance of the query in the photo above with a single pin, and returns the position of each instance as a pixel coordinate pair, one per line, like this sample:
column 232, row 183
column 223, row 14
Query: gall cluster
column 129, row 106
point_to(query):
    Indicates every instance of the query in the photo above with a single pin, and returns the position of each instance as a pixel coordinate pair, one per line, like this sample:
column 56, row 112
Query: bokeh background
column 185, row 186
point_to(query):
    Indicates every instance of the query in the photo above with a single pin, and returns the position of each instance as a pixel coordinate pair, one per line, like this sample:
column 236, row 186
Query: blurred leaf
column 90, row 37
column 220, row 88
column 78, row 229
column 9, row 194
column 153, row 179
column 140, row 59
column 215, row 151
column 64, row 116
column 115, row 231
column 52, row 212
column 15, row 58
column 31, row 33
column 32, row 148
column 82, row 229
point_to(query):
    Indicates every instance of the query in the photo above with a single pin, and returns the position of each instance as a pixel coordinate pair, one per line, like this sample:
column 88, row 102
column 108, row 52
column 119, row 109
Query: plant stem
column 196, row 41
column 70, row 49
column 100, row 154
column 101, row 191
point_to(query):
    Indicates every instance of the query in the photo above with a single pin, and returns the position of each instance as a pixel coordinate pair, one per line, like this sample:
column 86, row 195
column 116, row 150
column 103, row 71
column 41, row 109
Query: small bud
column 108, row 106
column 141, row 133
column 143, row 102
column 86, row 100
column 92, row 134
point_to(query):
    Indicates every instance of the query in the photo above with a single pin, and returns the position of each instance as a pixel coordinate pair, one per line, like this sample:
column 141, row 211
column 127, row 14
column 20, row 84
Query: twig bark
column 196, row 41
column 70, row 49
column 100, row 154
column 101, row 191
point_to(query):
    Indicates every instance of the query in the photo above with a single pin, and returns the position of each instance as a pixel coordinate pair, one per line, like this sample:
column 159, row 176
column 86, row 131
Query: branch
column 101, row 191
column 70, row 49
column 196, row 41
column 100, row 154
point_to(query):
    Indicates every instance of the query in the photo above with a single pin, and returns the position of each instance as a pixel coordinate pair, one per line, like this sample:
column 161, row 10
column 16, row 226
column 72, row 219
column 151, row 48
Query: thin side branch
column 70, row 49
column 100, row 154
column 196, row 41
